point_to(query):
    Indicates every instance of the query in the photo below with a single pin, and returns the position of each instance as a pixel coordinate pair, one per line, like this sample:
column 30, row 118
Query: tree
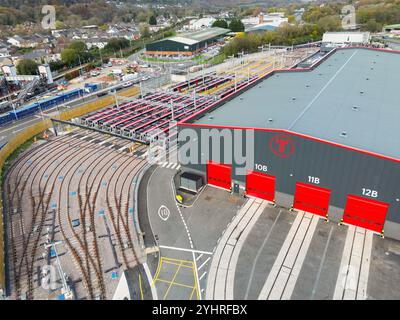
column 27, row 67
column 221, row 23
column 236, row 25
column 59, row 25
column 69, row 57
column 78, row 46
column 153, row 20
column 144, row 30
column 117, row 43
column 373, row 26
column 329, row 23
column 291, row 19
column 142, row 16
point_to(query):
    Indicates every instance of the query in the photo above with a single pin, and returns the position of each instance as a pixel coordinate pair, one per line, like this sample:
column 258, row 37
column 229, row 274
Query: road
column 7, row 132
column 186, row 245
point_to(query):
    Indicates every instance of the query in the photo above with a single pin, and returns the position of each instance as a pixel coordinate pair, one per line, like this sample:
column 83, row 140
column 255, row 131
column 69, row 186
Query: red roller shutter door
column 366, row 213
column 312, row 199
column 219, row 175
column 260, row 185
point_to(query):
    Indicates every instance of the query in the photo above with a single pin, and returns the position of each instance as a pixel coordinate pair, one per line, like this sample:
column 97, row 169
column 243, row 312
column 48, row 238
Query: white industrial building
column 338, row 39
column 203, row 23
column 263, row 21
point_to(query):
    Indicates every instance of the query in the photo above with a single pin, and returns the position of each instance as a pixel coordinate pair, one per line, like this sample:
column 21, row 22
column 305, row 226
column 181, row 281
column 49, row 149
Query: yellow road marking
column 195, row 283
column 173, row 279
column 177, row 260
column 140, row 286
column 191, row 295
column 178, row 264
column 157, row 272
column 176, row 283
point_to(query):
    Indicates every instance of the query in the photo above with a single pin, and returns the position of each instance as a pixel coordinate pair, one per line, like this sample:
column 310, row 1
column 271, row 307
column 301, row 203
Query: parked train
column 45, row 104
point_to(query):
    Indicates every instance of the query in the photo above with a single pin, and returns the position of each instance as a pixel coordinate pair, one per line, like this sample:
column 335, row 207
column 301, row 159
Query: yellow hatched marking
column 180, row 264
column 176, row 260
column 195, row 284
column 157, row 272
column 176, row 284
column 172, row 281
column 191, row 295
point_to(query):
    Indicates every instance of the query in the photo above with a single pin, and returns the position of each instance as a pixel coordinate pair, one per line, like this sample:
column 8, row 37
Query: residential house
column 39, row 56
column 24, row 41
column 95, row 42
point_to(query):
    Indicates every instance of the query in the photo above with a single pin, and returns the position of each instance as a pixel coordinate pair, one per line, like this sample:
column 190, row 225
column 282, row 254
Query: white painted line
column 276, row 268
column 344, row 264
column 151, row 281
column 259, row 254
column 104, row 141
column 197, row 259
column 301, row 255
column 321, row 264
column 178, row 167
column 202, row 276
column 212, row 279
column 279, row 285
column 353, row 275
column 197, row 275
column 204, row 263
column 321, row 91
column 239, row 242
column 187, row 250
column 365, row 264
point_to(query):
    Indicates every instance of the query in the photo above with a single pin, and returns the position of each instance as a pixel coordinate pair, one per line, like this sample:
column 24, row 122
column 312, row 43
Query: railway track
column 120, row 219
column 39, row 213
column 41, row 172
column 51, row 149
column 87, row 220
column 81, row 253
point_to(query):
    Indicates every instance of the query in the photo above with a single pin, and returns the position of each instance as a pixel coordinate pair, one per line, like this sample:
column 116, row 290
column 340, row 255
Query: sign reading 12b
column 282, row 145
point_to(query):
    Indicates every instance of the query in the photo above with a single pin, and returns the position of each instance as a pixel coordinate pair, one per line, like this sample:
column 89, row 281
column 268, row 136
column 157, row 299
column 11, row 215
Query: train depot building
column 325, row 140
column 187, row 44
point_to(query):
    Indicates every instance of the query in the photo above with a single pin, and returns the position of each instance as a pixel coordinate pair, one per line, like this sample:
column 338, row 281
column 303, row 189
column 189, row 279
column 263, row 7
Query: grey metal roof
column 198, row 36
column 354, row 91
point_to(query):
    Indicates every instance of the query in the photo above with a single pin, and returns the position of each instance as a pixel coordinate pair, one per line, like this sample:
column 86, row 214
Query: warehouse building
column 325, row 141
column 187, row 44
column 346, row 38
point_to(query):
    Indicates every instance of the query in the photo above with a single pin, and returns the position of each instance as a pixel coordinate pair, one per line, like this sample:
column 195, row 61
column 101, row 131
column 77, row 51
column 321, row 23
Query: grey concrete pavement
column 260, row 251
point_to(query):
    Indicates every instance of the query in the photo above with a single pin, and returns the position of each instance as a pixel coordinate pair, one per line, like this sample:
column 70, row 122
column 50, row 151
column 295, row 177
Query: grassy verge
column 218, row 59
column 23, row 147
column 153, row 59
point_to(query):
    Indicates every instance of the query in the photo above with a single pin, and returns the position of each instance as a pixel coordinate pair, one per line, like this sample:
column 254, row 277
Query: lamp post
column 172, row 111
column 59, row 267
